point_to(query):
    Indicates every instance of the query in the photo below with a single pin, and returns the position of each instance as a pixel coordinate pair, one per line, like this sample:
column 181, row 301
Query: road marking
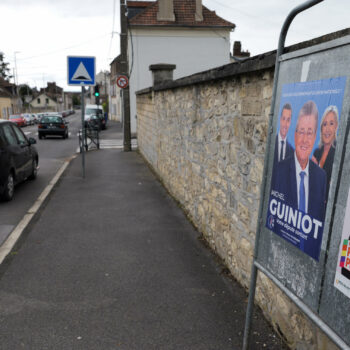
column 111, row 144
column 115, row 143
column 13, row 237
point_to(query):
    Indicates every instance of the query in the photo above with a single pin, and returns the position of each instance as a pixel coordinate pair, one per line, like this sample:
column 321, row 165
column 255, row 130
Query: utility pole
column 125, row 71
column 16, row 76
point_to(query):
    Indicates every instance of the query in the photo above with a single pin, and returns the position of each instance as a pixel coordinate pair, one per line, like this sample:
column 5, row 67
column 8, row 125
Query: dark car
column 18, row 158
column 53, row 125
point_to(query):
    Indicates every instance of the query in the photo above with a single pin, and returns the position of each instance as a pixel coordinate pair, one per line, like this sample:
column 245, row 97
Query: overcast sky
column 42, row 33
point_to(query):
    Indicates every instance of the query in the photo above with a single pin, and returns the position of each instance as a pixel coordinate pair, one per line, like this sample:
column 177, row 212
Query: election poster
column 342, row 274
column 305, row 144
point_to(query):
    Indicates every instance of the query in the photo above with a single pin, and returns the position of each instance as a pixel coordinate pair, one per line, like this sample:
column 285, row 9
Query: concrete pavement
column 111, row 262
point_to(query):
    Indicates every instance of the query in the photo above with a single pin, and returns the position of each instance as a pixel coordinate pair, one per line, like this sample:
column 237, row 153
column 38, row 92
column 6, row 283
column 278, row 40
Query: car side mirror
column 32, row 141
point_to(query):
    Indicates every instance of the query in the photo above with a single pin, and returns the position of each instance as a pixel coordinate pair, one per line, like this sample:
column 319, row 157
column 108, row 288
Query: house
column 10, row 103
column 180, row 32
column 54, row 93
column 102, row 79
column 115, row 101
column 44, row 103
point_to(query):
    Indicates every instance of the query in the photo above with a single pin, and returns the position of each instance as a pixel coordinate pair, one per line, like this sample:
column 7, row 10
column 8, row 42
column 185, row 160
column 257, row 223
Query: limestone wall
column 206, row 141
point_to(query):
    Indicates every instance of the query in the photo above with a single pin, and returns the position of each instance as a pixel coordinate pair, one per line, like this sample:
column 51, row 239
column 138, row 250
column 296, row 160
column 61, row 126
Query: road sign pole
column 82, row 145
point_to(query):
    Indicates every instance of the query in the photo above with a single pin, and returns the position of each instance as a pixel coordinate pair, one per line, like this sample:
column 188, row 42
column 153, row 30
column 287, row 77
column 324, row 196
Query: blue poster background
column 297, row 227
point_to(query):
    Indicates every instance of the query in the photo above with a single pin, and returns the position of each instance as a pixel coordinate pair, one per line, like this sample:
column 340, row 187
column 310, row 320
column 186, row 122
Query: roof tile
column 184, row 11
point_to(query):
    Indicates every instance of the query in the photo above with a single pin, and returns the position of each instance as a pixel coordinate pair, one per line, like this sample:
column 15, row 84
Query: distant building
column 103, row 81
column 10, row 103
column 44, row 103
column 115, row 102
column 180, row 32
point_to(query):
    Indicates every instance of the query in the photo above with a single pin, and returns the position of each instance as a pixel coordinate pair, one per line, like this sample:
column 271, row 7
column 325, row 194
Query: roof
column 4, row 93
column 184, row 11
column 135, row 7
column 4, row 82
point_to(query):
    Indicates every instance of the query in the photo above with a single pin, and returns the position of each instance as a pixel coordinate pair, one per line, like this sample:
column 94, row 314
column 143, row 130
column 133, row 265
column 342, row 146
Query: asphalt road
column 52, row 154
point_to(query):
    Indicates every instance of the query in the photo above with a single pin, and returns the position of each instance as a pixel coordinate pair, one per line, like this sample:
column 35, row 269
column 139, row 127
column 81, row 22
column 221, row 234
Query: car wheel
column 34, row 173
column 40, row 136
column 9, row 188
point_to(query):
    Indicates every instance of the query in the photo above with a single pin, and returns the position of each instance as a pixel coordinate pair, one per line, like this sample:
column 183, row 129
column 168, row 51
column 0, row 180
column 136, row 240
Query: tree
column 76, row 100
column 4, row 70
column 24, row 91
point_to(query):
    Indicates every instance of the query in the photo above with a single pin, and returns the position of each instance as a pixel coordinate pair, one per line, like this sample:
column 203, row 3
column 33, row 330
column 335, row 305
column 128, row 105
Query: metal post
column 83, row 131
column 254, row 272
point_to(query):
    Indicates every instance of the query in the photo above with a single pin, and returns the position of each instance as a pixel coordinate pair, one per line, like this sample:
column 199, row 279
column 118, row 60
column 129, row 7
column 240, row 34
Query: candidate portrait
column 283, row 149
column 301, row 181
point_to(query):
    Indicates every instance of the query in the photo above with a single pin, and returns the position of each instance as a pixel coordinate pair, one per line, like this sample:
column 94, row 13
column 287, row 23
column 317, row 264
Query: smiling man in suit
column 283, row 149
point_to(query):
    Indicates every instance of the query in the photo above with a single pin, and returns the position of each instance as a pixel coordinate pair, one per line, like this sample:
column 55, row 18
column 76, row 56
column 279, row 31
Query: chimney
column 162, row 72
column 165, row 10
column 237, row 47
column 199, row 12
column 237, row 51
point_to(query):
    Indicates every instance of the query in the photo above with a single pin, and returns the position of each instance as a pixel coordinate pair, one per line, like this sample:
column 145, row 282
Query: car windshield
column 94, row 111
column 51, row 119
column 14, row 116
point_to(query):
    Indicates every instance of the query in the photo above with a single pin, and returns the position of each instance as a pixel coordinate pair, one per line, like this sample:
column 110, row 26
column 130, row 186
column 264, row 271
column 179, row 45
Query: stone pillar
column 162, row 72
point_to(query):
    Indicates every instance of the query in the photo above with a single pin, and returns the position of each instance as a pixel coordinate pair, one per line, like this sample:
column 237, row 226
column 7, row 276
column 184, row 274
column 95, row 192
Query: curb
column 16, row 233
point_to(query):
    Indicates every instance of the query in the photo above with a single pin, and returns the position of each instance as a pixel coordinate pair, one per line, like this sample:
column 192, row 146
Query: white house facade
column 180, row 32
column 43, row 102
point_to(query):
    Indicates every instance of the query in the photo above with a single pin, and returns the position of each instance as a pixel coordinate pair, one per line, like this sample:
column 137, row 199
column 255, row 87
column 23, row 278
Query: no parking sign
column 122, row 81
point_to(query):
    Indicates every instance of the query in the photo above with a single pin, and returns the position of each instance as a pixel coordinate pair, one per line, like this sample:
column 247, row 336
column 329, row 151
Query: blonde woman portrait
column 324, row 154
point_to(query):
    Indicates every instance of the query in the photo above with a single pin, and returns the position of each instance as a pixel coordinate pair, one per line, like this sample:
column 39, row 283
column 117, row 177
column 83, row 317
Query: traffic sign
column 81, row 70
column 122, row 81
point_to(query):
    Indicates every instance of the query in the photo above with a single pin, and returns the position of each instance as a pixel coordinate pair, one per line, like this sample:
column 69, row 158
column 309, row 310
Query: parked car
column 51, row 125
column 18, row 158
column 95, row 110
column 18, row 119
column 93, row 122
column 29, row 118
column 36, row 118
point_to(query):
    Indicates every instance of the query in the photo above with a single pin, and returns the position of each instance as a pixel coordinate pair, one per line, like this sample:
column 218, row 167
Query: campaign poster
column 305, row 144
column 342, row 274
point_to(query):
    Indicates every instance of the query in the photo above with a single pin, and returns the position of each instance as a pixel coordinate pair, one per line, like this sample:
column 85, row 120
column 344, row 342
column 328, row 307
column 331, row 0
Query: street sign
column 81, row 70
column 122, row 81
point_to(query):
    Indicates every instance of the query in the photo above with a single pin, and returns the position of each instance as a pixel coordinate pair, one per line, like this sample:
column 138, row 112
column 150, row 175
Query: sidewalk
column 112, row 263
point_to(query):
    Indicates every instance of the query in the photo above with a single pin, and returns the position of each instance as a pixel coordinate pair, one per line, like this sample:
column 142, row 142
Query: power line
column 63, row 49
column 110, row 43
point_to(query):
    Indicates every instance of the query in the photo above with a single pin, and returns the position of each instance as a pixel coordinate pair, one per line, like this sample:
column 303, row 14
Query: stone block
column 251, row 107
column 243, row 213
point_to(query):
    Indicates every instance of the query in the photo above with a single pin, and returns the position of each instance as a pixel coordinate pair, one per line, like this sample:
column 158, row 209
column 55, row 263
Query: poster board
column 297, row 222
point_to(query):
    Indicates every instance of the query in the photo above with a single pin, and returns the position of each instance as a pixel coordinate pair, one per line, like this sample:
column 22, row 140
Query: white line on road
column 11, row 240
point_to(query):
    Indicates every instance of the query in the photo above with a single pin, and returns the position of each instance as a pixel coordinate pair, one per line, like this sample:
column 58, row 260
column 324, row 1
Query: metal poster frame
column 309, row 311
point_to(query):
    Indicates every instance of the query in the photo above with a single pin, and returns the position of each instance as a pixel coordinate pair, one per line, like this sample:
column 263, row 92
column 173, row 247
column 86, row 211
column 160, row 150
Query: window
column 38, row 100
column 21, row 138
column 47, row 101
column 9, row 135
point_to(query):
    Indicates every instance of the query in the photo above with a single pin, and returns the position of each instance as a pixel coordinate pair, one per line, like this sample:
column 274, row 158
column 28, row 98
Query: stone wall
column 205, row 137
